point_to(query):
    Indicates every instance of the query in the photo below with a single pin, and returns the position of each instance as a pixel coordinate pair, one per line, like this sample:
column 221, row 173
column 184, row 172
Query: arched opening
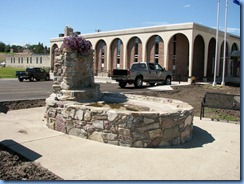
column 155, row 50
column 117, row 57
column 211, row 59
column 100, row 58
column 234, row 65
column 178, row 57
column 234, row 47
column 53, row 54
column 198, row 58
column 134, row 51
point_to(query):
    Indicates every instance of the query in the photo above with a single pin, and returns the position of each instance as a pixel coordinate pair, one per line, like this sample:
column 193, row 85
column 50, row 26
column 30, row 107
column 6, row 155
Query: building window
column 18, row 60
column 103, row 48
column 118, row 62
column 156, row 49
column 136, row 46
column 156, row 45
column 40, row 60
column 36, row 60
column 156, row 60
column 11, row 60
column 102, row 65
column 14, row 60
column 22, row 60
column 118, row 47
column 27, row 60
column 30, row 60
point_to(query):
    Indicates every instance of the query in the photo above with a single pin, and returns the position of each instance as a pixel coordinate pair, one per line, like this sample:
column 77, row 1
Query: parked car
column 142, row 72
column 3, row 64
column 32, row 74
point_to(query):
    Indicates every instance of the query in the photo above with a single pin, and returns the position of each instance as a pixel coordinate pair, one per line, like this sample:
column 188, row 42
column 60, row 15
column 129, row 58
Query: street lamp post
column 226, row 14
column 217, row 44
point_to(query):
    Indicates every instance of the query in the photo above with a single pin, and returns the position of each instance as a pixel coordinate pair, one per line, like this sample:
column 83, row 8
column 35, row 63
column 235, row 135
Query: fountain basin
column 124, row 120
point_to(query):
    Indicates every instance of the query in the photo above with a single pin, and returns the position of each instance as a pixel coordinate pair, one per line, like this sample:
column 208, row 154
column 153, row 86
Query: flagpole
column 217, row 44
column 223, row 73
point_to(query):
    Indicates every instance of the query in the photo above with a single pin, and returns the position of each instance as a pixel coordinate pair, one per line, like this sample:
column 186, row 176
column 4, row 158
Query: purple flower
column 78, row 43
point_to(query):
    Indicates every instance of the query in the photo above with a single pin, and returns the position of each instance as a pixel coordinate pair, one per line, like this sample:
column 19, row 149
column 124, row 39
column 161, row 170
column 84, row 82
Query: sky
column 33, row 21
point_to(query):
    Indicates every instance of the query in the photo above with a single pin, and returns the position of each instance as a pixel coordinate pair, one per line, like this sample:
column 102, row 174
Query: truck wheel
column 168, row 80
column 122, row 84
column 138, row 82
column 31, row 78
column 47, row 78
column 21, row 80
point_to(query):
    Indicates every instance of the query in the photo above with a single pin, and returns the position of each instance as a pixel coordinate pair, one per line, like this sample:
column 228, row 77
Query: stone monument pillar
column 73, row 72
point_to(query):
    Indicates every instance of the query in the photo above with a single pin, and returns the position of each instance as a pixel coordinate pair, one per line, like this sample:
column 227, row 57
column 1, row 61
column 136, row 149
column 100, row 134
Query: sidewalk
column 213, row 153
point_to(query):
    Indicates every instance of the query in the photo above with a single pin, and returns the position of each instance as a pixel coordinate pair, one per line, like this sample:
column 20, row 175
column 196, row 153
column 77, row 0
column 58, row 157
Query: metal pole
column 217, row 44
column 223, row 73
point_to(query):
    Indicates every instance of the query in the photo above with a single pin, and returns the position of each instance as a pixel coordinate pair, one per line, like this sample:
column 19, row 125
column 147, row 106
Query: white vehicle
column 3, row 64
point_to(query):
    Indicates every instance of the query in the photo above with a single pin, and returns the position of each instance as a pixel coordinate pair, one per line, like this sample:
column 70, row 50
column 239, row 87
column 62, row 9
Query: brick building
column 186, row 49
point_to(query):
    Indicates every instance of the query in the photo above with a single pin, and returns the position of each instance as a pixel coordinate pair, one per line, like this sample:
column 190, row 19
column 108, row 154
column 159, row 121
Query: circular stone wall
column 124, row 120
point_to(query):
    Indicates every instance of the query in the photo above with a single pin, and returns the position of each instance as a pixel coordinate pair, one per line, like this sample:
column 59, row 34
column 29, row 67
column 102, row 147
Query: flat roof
column 149, row 29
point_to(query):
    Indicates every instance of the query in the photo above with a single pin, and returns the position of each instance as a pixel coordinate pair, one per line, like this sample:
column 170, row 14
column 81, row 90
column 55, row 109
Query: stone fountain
column 77, row 107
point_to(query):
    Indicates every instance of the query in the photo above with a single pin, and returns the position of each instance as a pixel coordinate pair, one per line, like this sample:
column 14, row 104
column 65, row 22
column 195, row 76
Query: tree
column 7, row 48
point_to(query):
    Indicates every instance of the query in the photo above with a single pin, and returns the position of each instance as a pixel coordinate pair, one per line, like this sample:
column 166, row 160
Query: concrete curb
column 213, row 153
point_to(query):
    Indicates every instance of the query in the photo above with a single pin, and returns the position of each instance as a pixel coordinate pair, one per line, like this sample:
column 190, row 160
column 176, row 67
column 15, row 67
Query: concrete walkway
column 213, row 153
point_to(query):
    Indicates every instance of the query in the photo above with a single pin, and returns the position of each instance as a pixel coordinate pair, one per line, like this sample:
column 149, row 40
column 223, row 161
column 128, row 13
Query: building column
column 143, row 50
column 108, row 59
column 166, row 50
column 124, row 53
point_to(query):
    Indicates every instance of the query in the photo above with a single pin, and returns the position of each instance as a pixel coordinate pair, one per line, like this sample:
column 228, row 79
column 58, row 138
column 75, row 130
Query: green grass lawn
column 9, row 72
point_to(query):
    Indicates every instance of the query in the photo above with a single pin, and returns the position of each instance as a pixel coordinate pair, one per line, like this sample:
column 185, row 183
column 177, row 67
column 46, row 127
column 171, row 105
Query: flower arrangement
column 78, row 43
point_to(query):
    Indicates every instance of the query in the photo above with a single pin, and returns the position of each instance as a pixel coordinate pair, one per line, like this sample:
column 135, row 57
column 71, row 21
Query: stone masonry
column 77, row 107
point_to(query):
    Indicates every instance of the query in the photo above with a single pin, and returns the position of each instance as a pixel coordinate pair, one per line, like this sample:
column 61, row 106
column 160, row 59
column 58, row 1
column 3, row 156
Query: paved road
column 12, row 89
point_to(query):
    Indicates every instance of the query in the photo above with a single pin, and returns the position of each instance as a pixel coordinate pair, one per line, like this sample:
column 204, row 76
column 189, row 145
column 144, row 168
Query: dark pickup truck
column 142, row 72
column 32, row 74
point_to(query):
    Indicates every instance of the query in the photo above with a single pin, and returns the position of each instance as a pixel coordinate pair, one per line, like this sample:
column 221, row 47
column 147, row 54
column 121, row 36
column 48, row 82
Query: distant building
column 28, row 60
column 186, row 49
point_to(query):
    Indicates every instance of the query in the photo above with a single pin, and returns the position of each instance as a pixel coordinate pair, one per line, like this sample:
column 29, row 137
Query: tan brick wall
column 182, row 54
column 161, row 53
column 170, row 55
column 139, row 51
column 150, row 49
column 130, row 52
column 113, row 55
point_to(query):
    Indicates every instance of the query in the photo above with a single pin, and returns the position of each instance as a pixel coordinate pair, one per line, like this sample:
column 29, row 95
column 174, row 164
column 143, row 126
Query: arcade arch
column 116, row 59
column 211, row 58
column 155, row 50
column 178, row 56
column 198, row 58
column 134, row 51
column 100, row 57
column 53, row 54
